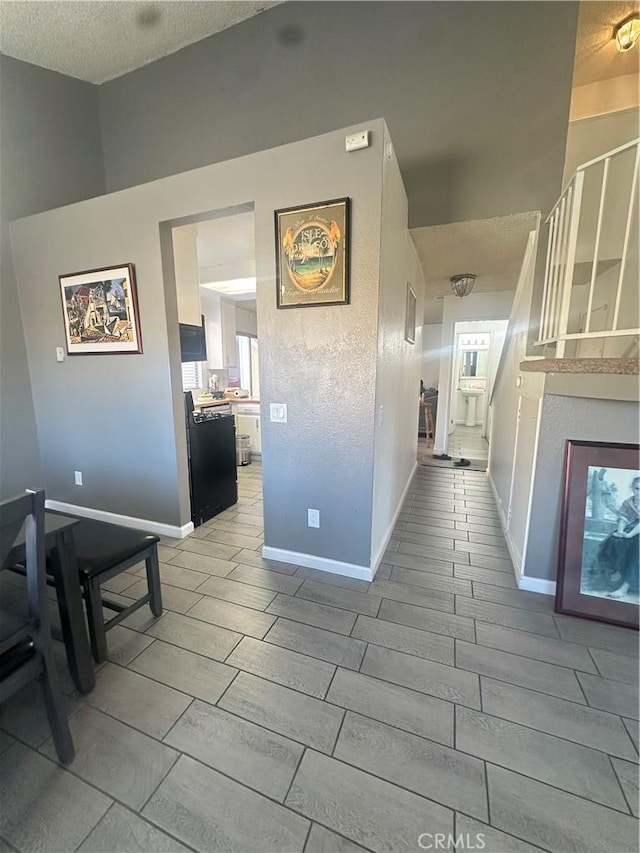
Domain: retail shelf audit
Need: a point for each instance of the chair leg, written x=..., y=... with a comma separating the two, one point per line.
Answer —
x=95, y=618
x=58, y=720
x=153, y=582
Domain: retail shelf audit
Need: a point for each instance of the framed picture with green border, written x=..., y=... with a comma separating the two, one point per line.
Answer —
x=312, y=254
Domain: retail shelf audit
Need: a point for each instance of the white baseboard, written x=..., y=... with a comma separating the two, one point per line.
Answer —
x=336, y=567
x=377, y=559
x=171, y=530
x=537, y=585
x=311, y=561
x=516, y=559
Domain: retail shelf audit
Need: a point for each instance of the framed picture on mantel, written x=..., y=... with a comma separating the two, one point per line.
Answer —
x=599, y=558
x=312, y=254
x=100, y=311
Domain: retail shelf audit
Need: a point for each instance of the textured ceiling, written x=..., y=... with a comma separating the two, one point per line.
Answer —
x=597, y=57
x=492, y=249
x=96, y=41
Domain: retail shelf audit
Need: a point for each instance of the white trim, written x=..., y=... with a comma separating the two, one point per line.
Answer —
x=311, y=561
x=171, y=530
x=337, y=567
x=608, y=154
x=375, y=562
x=534, y=462
x=540, y=585
x=516, y=559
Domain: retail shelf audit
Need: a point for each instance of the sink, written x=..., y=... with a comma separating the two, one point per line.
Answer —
x=471, y=395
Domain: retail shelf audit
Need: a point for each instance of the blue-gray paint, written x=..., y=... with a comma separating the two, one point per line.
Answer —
x=50, y=155
x=475, y=95
x=120, y=418
x=562, y=418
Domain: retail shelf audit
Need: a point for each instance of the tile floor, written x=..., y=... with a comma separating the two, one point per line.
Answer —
x=276, y=708
x=467, y=442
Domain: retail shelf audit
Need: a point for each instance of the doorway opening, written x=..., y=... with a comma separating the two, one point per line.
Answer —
x=475, y=358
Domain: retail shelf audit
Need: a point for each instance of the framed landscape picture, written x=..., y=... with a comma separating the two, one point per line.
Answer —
x=100, y=311
x=598, y=558
x=312, y=254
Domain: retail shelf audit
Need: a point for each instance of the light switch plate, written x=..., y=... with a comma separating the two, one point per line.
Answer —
x=278, y=413
x=59, y=353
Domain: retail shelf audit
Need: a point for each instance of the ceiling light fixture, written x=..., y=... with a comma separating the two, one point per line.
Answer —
x=462, y=285
x=627, y=32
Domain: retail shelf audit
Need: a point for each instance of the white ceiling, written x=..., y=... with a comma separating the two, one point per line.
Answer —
x=97, y=41
x=492, y=249
x=226, y=248
x=597, y=57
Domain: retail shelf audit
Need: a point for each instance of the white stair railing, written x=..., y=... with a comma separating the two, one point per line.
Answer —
x=591, y=272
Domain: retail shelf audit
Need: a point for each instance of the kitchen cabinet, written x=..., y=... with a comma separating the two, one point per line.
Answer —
x=228, y=326
x=185, y=258
x=248, y=423
x=220, y=325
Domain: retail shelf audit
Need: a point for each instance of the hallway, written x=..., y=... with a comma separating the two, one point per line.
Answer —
x=467, y=443
x=278, y=708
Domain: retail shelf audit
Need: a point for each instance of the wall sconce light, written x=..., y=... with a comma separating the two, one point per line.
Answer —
x=627, y=32
x=462, y=285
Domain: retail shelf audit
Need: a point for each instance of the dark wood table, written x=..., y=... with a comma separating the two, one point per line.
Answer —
x=58, y=530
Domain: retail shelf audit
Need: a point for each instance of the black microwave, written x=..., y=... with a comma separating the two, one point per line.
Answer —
x=193, y=342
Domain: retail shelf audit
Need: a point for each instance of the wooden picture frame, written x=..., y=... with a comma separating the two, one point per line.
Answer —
x=100, y=311
x=410, y=315
x=312, y=254
x=598, y=550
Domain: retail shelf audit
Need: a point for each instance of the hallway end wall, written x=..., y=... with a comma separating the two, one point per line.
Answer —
x=495, y=305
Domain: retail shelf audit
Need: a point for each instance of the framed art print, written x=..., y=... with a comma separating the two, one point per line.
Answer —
x=100, y=311
x=312, y=254
x=598, y=557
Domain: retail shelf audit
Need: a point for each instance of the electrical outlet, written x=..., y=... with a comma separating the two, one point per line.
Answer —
x=78, y=478
x=313, y=518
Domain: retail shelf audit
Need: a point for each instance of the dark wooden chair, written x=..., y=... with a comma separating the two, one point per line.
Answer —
x=25, y=646
x=103, y=551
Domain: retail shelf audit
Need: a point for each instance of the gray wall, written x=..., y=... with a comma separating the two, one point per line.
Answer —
x=591, y=137
x=397, y=384
x=50, y=155
x=476, y=97
x=581, y=419
x=120, y=419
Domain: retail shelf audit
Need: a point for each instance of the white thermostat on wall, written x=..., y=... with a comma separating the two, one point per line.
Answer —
x=358, y=140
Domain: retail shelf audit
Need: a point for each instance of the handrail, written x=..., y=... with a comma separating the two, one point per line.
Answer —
x=564, y=223
x=608, y=154
x=590, y=163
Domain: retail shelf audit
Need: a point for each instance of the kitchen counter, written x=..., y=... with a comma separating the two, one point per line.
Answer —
x=234, y=401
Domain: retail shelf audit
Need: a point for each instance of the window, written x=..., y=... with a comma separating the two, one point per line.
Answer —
x=191, y=375
x=248, y=364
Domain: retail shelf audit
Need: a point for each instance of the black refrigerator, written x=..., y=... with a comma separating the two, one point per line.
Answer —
x=211, y=449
